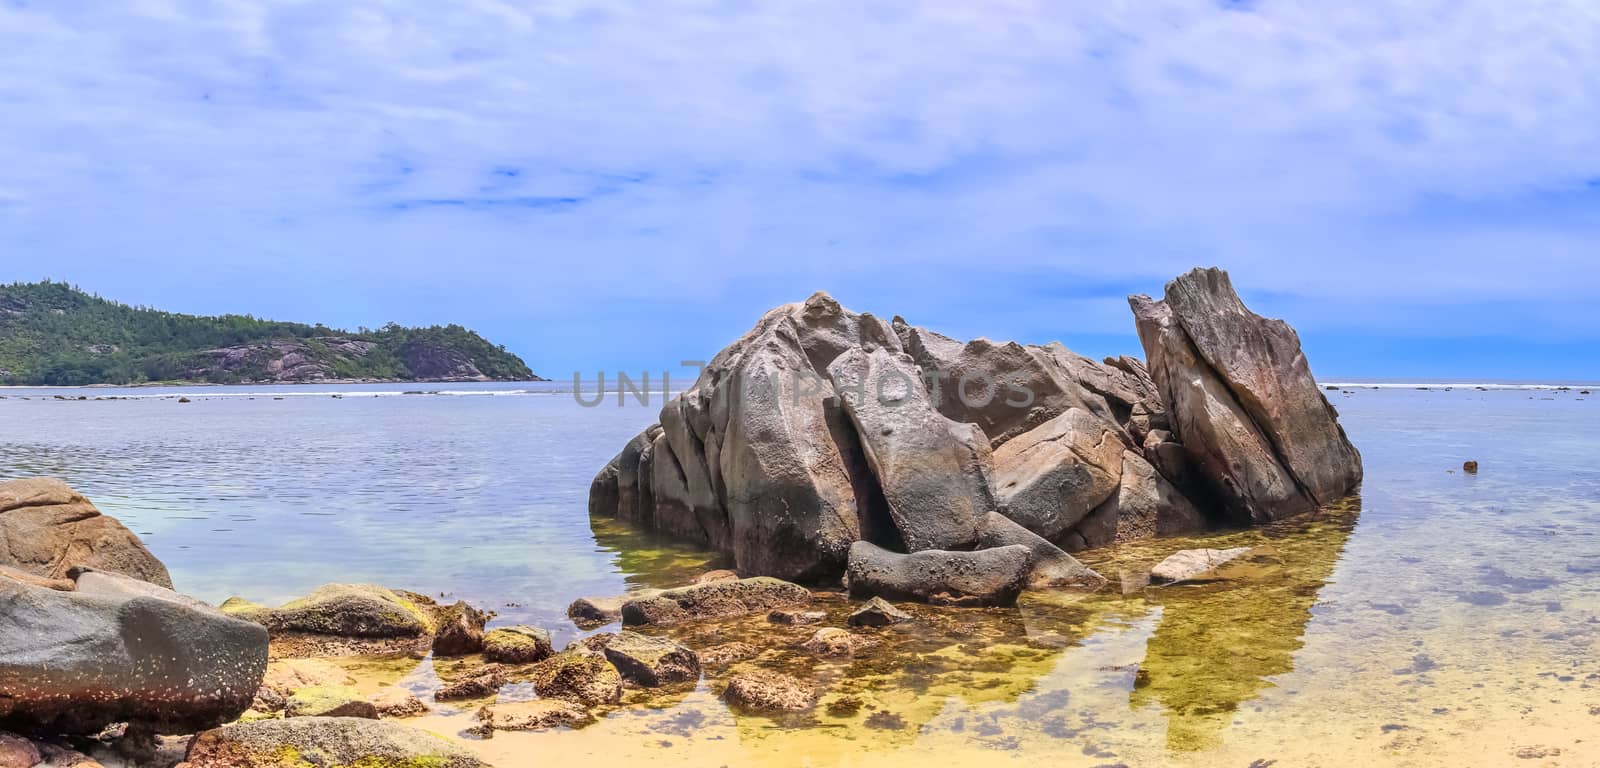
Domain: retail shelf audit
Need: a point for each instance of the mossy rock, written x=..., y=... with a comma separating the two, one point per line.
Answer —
x=578, y=675
x=343, y=610
x=517, y=645
x=329, y=701
x=326, y=742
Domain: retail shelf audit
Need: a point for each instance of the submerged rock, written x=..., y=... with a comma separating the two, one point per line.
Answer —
x=534, y=715
x=517, y=645
x=794, y=618
x=716, y=600
x=326, y=742
x=727, y=653
x=766, y=691
x=832, y=642
x=877, y=612
x=985, y=577
x=47, y=529
x=652, y=661
x=1192, y=564
x=122, y=650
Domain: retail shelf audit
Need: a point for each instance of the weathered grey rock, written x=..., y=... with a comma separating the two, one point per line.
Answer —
x=458, y=629
x=1193, y=564
x=766, y=691
x=534, y=715
x=1242, y=400
x=329, y=701
x=877, y=612
x=1261, y=361
x=327, y=742
x=73, y=662
x=985, y=577
x=1054, y=475
x=1145, y=506
x=345, y=610
x=1051, y=568
x=578, y=675
x=652, y=661
x=46, y=529
x=591, y=612
x=480, y=683
x=517, y=645
x=934, y=472
x=717, y=600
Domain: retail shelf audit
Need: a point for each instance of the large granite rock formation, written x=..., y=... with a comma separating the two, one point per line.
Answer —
x=1244, y=403
x=821, y=428
x=46, y=529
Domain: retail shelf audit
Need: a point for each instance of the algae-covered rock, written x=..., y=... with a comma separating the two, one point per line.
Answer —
x=832, y=642
x=325, y=742
x=329, y=701
x=578, y=675
x=351, y=610
x=652, y=661
x=716, y=600
x=517, y=645
x=766, y=691
x=458, y=629
x=534, y=715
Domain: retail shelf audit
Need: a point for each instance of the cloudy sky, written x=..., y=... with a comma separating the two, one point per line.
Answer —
x=1414, y=185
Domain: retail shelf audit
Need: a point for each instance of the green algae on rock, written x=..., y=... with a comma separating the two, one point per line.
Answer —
x=326, y=742
x=520, y=644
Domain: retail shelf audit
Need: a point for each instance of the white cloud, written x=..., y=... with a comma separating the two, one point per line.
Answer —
x=1321, y=150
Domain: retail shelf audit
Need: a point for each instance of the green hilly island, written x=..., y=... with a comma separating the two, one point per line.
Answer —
x=53, y=334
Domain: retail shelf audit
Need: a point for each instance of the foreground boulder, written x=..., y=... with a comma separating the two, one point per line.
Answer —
x=985, y=577
x=122, y=650
x=720, y=599
x=326, y=742
x=1193, y=564
x=47, y=529
x=1243, y=402
x=822, y=427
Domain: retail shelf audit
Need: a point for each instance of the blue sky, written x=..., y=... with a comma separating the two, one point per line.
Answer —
x=1414, y=185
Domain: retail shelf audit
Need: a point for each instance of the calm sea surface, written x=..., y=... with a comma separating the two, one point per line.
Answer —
x=1443, y=619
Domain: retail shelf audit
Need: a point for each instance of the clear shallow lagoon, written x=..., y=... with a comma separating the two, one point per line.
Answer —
x=1445, y=619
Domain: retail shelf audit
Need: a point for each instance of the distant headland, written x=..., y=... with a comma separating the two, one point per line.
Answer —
x=53, y=334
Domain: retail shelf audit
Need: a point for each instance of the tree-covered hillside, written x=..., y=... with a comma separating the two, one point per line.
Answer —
x=54, y=334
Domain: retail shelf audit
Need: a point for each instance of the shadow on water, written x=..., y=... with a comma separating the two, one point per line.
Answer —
x=1218, y=645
